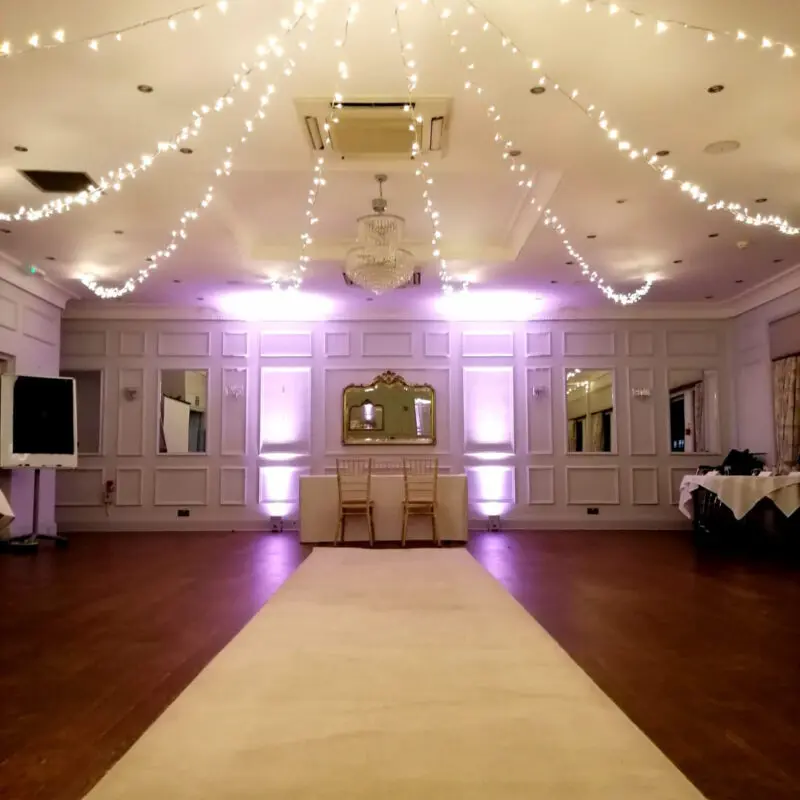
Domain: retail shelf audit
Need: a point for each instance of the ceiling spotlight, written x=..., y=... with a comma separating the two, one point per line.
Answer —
x=740, y=281
x=538, y=90
x=715, y=89
x=713, y=235
x=175, y=280
x=569, y=263
x=20, y=148
x=149, y=258
x=774, y=260
x=553, y=281
x=592, y=236
x=761, y=199
x=621, y=201
x=118, y=233
x=678, y=261
x=662, y=153
x=50, y=258
x=5, y=230
x=709, y=297
x=187, y=151
x=145, y=88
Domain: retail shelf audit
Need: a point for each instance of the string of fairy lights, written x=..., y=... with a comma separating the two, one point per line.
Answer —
x=59, y=38
x=180, y=234
x=659, y=26
x=295, y=278
x=614, y=135
x=448, y=281
x=511, y=154
x=274, y=50
x=116, y=178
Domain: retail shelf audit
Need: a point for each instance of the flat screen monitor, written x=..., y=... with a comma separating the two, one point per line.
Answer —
x=38, y=422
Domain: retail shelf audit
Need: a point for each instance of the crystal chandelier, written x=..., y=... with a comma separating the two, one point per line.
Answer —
x=378, y=263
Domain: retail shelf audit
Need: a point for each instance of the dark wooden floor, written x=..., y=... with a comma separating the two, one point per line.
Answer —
x=703, y=654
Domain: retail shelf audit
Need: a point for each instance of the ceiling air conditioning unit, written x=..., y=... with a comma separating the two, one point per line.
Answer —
x=377, y=129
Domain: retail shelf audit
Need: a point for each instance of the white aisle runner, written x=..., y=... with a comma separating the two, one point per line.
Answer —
x=387, y=674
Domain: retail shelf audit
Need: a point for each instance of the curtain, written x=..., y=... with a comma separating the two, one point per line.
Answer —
x=597, y=433
x=699, y=401
x=573, y=436
x=786, y=394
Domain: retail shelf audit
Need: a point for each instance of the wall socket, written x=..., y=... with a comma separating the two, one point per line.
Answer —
x=593, y=512
x=183, y=512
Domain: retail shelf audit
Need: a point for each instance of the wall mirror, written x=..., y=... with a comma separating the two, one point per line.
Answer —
x=89, y=398
x=389, y=411
x=182, y=411
x=694, y=411
x=591, y=421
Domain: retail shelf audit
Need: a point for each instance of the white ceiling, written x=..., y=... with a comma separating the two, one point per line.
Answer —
x=75, y=109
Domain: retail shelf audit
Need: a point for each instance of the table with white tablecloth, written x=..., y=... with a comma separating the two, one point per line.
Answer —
x=741, y=493
x=319, y=507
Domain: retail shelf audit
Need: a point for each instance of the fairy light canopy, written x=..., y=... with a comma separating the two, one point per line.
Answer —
x=555, y=168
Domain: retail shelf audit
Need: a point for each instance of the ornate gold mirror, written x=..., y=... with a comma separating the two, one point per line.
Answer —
x=389, y=411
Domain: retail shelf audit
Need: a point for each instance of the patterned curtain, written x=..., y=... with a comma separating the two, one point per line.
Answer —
x=786, y=393
x=597, y=433
x=699, y=399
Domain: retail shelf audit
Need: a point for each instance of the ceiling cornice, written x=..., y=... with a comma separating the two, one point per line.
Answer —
x=41, y=287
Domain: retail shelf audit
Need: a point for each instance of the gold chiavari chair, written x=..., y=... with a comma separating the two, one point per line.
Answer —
x=421, y=486
x=354, y=480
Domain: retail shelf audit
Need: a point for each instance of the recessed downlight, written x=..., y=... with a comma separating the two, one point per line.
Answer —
x=662, y=153
x=553, y=281
x=118, y=233
x=716, y=88
x=187, y=151
x=678, y=261
x=739, y=281
x=5, y=230
x=713, y=235
x=145, y=88
x=538, y=90
x=774, y=260
x=761, y=199
x=722, y=147
x=175, y=280
x=20, y=148
x=622, y=200
x=709, y=297
x=592, y=236
x=49, y=258
x=569, y=263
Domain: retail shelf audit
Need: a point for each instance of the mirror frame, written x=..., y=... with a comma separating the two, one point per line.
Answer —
x=188, y=368
x=387, y=378
x=615, y=426
x=70, y=373
x=668, y=430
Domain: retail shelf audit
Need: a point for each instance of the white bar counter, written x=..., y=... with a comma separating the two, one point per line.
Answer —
x=319, y=507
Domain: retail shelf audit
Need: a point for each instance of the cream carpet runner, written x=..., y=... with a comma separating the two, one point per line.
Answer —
x=376, y=675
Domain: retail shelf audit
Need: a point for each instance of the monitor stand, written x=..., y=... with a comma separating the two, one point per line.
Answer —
x=29, y=542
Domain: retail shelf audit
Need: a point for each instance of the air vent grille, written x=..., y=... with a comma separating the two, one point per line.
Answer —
x=57, y=182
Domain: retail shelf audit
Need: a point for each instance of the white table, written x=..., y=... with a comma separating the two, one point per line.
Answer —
x=319, y=506
x=741, y=493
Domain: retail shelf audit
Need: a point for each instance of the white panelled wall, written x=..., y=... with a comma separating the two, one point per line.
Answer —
x=274, y=414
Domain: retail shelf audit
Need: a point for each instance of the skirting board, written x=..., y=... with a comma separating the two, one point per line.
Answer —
x=249, y=526
x=592, y=524
x=161, y=526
